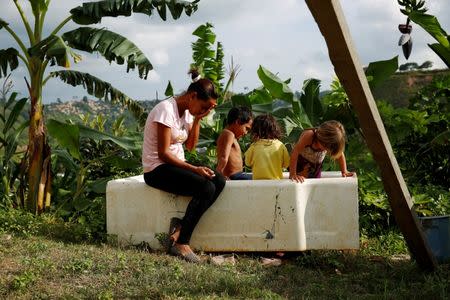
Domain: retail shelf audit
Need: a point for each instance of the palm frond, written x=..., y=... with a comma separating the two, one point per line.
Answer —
x=111, y=45
x=101, y=89
x=93, y=12
x=8, y=57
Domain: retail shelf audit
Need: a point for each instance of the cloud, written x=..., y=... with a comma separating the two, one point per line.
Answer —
x=280, y=35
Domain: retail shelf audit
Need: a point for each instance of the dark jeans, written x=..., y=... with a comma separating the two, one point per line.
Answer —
x=241, y=176
x=183, y=182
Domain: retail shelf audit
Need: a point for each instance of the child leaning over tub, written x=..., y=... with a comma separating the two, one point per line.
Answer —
x=267, y=156
x=229, y=156
x=314, y=143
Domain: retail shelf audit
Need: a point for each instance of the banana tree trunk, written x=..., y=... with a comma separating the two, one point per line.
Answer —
x=39, y=175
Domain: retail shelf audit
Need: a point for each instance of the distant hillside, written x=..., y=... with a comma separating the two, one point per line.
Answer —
x=403, y=85
x=74, y=109
x=396, y=90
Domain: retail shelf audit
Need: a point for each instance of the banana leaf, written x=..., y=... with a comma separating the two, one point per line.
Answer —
x=8, y=58
x=93, y=12
x=67, y=135
x=310, y=100
x=442, y=52
x=379, y=71
x=110, y=45
x=432, y=26
x=54, y=49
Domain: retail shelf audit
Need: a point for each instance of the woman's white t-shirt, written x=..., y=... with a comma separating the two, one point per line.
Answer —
x=166, y=113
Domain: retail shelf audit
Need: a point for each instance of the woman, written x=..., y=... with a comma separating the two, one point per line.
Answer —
x=171, y=123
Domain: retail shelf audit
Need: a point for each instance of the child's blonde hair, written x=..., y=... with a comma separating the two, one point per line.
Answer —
x=331, y=135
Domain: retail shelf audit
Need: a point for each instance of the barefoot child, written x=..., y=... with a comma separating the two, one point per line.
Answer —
x=229, y=157
x=267, y=156
x=314, y=143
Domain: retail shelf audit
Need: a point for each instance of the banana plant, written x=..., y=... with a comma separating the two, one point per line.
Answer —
x=88, y=157
x=209, y=61
x=416, y=12
x=13, y=124
x=39, y=52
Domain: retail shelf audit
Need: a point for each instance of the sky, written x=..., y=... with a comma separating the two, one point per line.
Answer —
x=282, y=36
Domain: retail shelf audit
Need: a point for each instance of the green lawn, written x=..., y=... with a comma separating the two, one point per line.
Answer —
x=46, y=267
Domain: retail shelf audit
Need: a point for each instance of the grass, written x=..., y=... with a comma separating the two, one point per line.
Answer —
x=46, y=265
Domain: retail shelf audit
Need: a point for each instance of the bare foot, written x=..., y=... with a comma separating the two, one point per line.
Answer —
x=175, y=235
x=184, y=249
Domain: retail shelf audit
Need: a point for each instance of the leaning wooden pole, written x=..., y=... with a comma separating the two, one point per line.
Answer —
x=330, y=19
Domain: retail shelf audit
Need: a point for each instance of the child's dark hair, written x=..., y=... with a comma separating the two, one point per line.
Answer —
x=202, y=86
x=241, y=114
x=265, y=127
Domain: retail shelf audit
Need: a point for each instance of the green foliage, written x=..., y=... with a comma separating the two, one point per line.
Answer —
x=13, y=124
x=55, y=49
x=432, y=26
x=8, y=58
x=18, y=222
x=419, y=134
x=379, y=71
x=169, y=90
x=86, y=226
x=431, y=200
x=207, y=60
x=110, y=45
x=23, y=281
x=410, y=6
x=416, y=12
x=89, y=158
x=93, y=12
x=382, y=269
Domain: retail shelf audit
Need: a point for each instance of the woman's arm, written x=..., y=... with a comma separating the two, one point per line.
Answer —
x=194, y=130
x=194, y=133
x=305, y=139
x=166, y=155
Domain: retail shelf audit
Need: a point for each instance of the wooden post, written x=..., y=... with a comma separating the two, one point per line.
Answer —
x=330, y=19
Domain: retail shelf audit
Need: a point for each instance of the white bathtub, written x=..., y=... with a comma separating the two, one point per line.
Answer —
x=253, y=215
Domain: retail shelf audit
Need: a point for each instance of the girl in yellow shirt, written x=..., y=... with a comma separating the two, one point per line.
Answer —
x=267, y=156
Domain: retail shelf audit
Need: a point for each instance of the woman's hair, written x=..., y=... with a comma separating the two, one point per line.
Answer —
x=203, y=87
x=265, y=127
x=331, y=135
x=242, y=114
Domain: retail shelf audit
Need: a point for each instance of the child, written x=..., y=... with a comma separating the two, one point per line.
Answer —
x=267, y=156
x=314, y=143
x=229, y=162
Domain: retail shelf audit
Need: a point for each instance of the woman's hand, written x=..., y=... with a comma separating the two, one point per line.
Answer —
x=202, y=115
x=297, y=178
x=205, y=172
x=347, y=174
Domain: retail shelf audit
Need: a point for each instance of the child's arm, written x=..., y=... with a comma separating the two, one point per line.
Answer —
x=305, y=139
x=286, y=159
x=224, y=144
x=249, y=156
x=343, y=166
